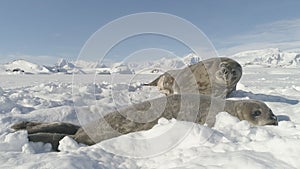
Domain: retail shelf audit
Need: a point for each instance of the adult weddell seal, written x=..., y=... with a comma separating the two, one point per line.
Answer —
x=144, y=115
x=215, y=77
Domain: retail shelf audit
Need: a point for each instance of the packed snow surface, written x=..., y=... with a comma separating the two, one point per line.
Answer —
x=230, y=144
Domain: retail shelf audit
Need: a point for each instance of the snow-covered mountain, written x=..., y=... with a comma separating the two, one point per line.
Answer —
x=92, y=67
x=62, y=63
x=160, y=65
x=269, y=57
x=88, y=64
x=121, y=68
x=164, y=64
x=62, y=66
x=266, y=57
x=23, y=66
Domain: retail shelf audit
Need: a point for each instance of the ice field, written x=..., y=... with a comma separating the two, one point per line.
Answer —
x=229, y=144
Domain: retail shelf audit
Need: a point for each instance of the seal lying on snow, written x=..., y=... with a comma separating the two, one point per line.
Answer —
x=144, y=115
x=215, y=76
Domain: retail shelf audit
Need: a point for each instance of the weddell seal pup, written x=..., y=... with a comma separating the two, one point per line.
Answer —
x=215, y=76
x=145, y=115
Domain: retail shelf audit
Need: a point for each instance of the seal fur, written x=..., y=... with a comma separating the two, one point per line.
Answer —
x=215, y=76
x=176, y=106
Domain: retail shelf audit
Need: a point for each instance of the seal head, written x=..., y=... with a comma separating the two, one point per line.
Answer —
x=256, y=112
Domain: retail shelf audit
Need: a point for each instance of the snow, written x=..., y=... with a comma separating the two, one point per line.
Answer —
x=163, y=64
x=121, y=68
x=67, y=144
x=62, y=63
x=170, y=143
x=269, y=57
x=18, y=66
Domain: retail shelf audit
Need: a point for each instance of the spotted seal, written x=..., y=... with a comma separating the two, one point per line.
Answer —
x=215, y=76
x=127, y=120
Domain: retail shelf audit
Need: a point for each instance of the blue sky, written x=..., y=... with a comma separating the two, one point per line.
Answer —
x=46, y=30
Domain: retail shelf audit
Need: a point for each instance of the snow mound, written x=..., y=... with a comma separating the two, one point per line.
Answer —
x=6, y=105
x=14, y=141
x=163, y=137
x=23, y=66
x=67, y=144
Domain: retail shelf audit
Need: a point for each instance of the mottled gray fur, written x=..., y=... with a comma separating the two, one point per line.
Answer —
x=143, y=116
x=215, y=77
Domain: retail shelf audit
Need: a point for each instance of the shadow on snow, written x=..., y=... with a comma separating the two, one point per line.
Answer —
x=263, y=97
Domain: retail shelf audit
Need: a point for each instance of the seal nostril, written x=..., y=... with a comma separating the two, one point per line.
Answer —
x=225, y=71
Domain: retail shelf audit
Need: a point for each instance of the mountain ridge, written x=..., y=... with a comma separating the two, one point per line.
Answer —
x=266, y=57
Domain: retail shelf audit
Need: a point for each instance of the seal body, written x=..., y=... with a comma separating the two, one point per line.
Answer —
x=144, y=115
x=215, y=77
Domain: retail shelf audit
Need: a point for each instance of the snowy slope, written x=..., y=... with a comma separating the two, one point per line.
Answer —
x=63, y=66
x=264, y=57
x=164, y=64
x=270, y=57
x=24, y=66
x=88, y=64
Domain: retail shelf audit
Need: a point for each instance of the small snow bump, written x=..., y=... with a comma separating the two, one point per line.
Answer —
x=163, y=121
x=67, y=144
x=223, y=119
x=286, y=124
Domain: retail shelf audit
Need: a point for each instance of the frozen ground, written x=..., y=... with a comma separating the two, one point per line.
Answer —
x=230, y=144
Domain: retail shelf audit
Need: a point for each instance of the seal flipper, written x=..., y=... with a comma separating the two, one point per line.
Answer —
x=60, y=128
x=52, y=138
x=24, y=124
x=37, y=127
x=47, y=132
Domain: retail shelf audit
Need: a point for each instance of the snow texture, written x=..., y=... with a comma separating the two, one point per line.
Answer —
x=229, y=144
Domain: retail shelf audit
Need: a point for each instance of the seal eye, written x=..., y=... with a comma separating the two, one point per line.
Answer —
x=222, y=65
x=256, y=113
